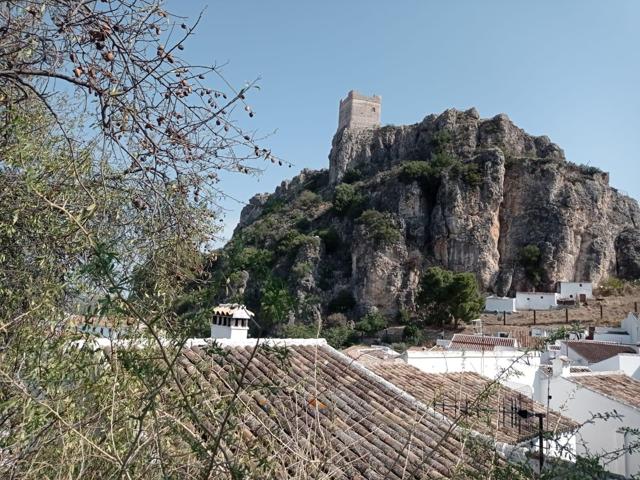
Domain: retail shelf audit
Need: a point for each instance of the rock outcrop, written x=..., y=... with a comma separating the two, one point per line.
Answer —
x=462, y=192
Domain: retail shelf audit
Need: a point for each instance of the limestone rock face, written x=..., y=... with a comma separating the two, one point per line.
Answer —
x=628, y=254
x=502, y=190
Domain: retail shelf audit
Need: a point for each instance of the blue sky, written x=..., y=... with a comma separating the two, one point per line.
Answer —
x=567, y=69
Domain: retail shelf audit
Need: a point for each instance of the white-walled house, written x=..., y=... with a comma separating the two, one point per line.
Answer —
x=513, y=368
x=627, y=333
x=629, y=363
x=590, y=399
x=588, y=352
x=536, y=300
x=579, y=291
x=494, y=304
x=231, y=321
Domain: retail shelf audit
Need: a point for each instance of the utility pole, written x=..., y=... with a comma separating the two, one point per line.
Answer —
x=527, y=414
x=540, y=440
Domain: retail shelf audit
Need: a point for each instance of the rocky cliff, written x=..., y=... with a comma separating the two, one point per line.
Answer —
x=454, y=190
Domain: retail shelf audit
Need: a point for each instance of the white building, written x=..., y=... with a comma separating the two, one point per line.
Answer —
x=513, y=368
x=591, y=399
x=496, y=304
x=579, y=291
x=628, y=363
x=588, y=352
x=631, y=325
x=230, y=320
x=628, y=333
x=536, y=300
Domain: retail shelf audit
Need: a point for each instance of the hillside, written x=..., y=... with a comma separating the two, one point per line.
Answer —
x=454, y=190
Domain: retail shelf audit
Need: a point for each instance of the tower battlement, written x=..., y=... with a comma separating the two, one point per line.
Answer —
x=359, y=111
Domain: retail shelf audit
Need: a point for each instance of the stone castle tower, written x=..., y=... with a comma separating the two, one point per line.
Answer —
x=359, y=111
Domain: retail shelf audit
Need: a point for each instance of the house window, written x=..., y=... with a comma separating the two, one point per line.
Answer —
x=373, y=109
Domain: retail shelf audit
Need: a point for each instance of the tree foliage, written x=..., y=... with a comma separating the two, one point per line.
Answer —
x=379, y=227
x=108, y=196
x=530, y=259
x=446, y=296
x=371, y=323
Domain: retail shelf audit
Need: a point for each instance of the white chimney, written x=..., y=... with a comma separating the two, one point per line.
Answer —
x=230, y=320
x=561, y=366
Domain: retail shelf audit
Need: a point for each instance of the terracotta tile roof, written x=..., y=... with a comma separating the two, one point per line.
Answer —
x=494, y=414
x=318, y=404
x=477, y=342
x=521, y=334
x=617, y=386
x=595, y=352
x=367, y=355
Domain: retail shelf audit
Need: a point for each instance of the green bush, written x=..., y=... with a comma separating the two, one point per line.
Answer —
x=417, y=171
x=331, y=239
x=352, y=175
x=371, y=323
x=342, y=302
x=292, y=241
x=379, y=227
x=441, y=140
x=272, y=205
x=469, y=172
x=530, y=258
x=303, y=224
x=590, y=169
x=612, y=286
x=301, y=270
x=412, y=334
x=308, y=199
x=347, y=200
x=255, y=260
x=337, y=337
x=446, y=296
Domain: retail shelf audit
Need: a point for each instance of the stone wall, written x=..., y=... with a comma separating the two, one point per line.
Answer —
x=359, y=111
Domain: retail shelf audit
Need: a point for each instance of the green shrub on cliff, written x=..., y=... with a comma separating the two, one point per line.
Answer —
x=530, y=258
x=347, y=200
x=379, y=226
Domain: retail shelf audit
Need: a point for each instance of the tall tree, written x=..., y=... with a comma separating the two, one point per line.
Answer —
x=446, y=296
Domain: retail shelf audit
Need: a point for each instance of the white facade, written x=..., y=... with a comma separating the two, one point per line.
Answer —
x=631, y=325
x=513, y=368
x=628, y=333
x=500, y=304
x=573, y=290
x=612, y=334
x=536, y=300
x=628, y=363
x=597, y=436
